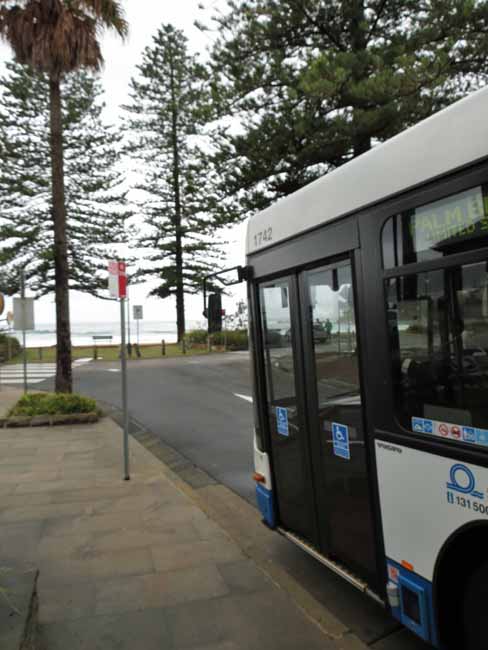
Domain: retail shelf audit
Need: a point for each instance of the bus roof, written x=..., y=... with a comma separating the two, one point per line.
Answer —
x=451, y=139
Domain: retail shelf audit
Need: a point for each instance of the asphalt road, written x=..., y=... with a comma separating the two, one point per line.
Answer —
x=200, y=406
x=192, y=405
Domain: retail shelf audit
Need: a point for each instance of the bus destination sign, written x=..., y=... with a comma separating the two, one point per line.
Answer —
x=440, y=224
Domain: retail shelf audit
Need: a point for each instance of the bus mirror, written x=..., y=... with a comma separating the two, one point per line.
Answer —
x=214, y=313
x=243, y=273
x=217, y=282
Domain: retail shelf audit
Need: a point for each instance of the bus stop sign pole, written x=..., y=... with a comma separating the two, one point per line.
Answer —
x=118, y=289
x=24, y=345
x=23, y=317
x=125, y=408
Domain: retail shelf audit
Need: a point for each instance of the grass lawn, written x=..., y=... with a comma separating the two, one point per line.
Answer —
x=107, y=353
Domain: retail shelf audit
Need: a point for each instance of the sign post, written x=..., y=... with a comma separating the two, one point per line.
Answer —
x=117, y=284
x=138, y=314
x=129, y=345
x=10, y=320
x=24, y=347
x=23, y=321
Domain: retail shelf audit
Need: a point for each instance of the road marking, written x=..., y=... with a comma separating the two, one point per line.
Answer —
x=36, y=372
x=248, y=398
x=112, y=369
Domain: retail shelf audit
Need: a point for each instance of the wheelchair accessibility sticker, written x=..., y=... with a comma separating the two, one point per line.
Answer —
x=340, y=441
x=461, y=486
x=282, y=421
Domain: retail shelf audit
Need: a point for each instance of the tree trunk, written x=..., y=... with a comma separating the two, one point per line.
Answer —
x=180, y=292
x=64, y=380
x=180, y=289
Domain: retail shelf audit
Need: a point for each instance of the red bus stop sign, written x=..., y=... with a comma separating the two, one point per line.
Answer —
x=117, y=279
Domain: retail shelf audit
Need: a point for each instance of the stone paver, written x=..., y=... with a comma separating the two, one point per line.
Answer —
x=130, y=564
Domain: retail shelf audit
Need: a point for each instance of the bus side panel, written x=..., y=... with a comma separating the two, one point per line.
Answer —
x=424, y=499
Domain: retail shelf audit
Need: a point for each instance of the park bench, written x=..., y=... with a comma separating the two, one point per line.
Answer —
x=97, y=340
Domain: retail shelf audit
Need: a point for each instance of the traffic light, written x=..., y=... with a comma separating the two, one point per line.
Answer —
x=214, y=313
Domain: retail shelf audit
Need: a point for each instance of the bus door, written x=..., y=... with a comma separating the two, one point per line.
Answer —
x=285, y=407
x=335, y=412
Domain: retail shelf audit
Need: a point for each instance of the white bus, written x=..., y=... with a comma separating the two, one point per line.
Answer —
x=368, y=292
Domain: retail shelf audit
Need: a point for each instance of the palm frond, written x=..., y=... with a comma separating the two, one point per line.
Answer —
x=56, y=36
x=109, y=14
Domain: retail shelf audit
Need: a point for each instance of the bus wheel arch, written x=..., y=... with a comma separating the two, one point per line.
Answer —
x=462, y=555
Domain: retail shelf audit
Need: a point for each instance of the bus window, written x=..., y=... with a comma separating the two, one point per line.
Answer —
x=452, y=225
x=334, y=334
x=280, y=371
x=438, y=322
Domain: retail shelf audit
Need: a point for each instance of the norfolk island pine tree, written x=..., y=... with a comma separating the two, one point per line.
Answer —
x=314, y=83
x=169, y=109
x=58, y=37
x=95, y=196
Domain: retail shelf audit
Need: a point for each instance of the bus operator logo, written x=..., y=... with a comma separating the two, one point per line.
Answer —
x=463, y=481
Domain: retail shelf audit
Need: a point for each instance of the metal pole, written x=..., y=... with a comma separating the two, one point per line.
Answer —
x=123, y=360
x=24, y=354
x=129, y=347
x=137, y=332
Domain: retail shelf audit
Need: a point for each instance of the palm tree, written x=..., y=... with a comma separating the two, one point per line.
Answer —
x=57, y=37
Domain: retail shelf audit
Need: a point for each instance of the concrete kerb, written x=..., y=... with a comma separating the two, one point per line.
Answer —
x=22, y=421
x=238, y=519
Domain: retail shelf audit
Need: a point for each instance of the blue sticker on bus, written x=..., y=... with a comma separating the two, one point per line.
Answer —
x=282, y=421
x=450, y=431
x=469, y=434
x=421, y=425
x=340, y=440
x=482, y=437
x=418, y=425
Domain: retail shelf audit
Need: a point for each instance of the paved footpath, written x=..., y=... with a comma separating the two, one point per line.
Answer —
x=134, y=564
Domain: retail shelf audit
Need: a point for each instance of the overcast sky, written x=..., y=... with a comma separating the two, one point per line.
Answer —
x=121, y=60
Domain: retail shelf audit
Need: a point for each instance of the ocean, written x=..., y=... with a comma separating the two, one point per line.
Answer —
x=82, y=333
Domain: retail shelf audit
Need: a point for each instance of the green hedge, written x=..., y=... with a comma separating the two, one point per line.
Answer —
x=15, y=346
x=198, y=337
x=53, y=404
x=236, y=339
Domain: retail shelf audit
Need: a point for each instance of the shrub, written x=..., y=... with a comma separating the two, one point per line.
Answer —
x=197, y=336
x=15, y=346
x=53, y=404
x=236, y=339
